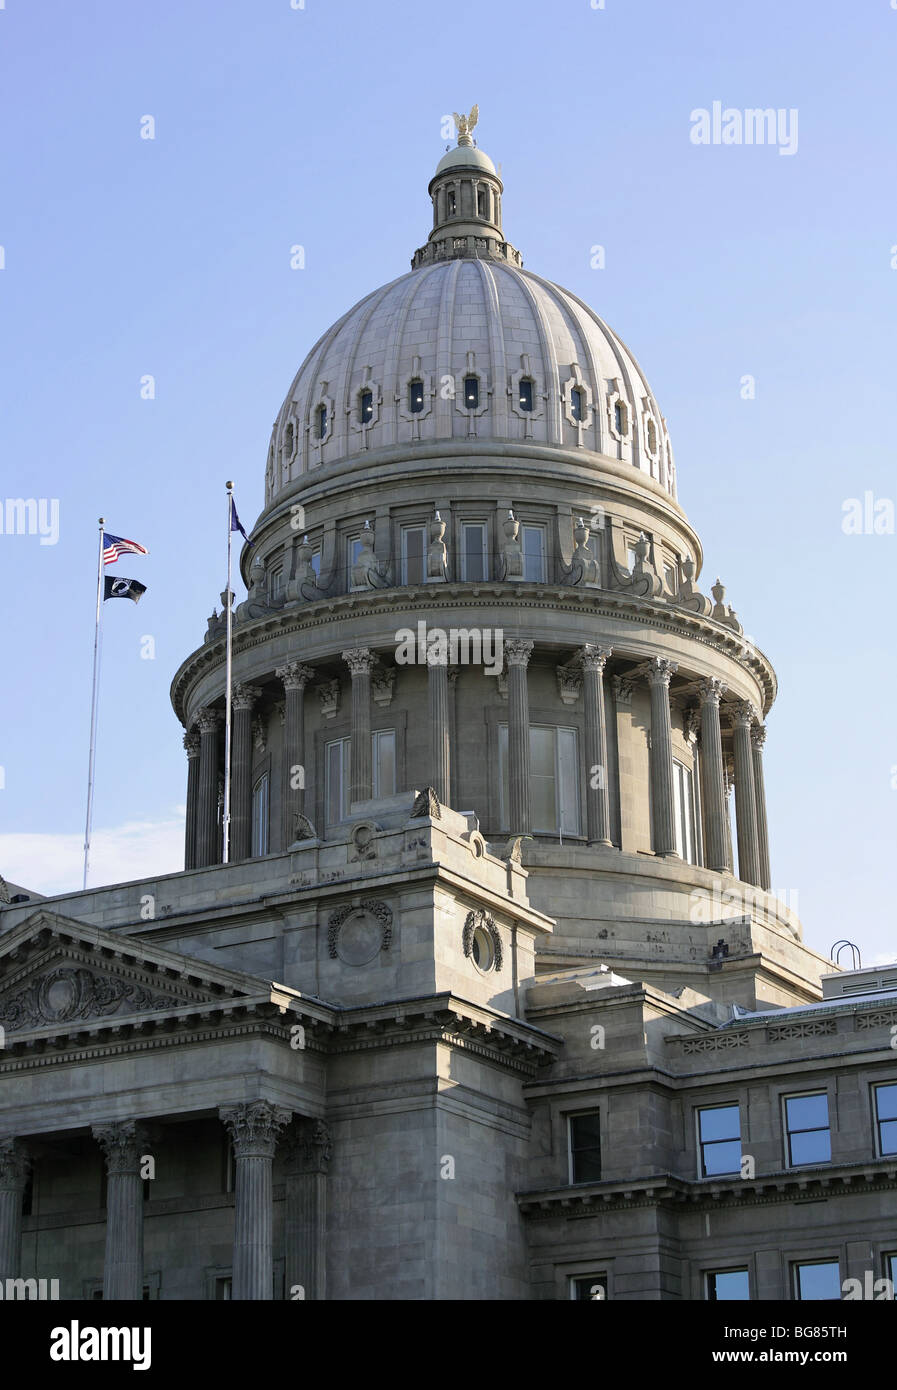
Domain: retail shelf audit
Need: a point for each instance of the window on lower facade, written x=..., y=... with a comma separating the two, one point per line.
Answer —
x=224, y=1288
x=534, y=554
x=554, y=780
x=807, y=1128
x=590, y=1288
x=724, y=1284
x=260, y=808
x=684, y=812
x=414, y=548
x=473, y=551
x=886, y=1118
x=817, y=1279
x=585, y=1146
x=338, y=772
x=719, y=1136
x=891, y=1273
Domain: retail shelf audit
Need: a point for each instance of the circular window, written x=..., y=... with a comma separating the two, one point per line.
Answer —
x=482, y=949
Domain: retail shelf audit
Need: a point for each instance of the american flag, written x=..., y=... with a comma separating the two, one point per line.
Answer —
x=117, y=545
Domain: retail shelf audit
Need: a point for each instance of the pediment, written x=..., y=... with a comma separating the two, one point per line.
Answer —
x=56, y=972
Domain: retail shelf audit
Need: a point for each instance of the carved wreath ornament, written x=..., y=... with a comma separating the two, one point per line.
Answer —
x=482, y=921
x=65, y=994
x=375, y=909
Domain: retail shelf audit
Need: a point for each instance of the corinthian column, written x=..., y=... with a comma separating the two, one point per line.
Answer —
x=659, y=673
x=517, y=655
x=207, y=846
x=713, y=794
x=308, y=1149
x=243, y=698
x=124, y=1144
x=594, y=660
x=191, y=743
x=295, y=677
x=15, y=1164
x=440, y=752
x=253, y=1128
x=758, y=739
x=743, y=716
x=361, y=662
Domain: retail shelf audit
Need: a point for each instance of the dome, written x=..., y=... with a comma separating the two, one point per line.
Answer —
x=465, y=157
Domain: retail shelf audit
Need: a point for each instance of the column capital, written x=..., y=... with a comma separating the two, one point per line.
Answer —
x=15, y=1164
x=743, y=713
x=711, y=690
x=518, y=651
x=208, y=719
x=124, y=1142
x=295, y=675
x=623, y=687
x=191, y=743
x=254, y=1127
x=360, y=660
x=594, y=658
x=244, y=696
x=659, y=670
x=758, y=736
x=308, y=1147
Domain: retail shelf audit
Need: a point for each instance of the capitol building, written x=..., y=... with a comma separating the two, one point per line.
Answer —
x=493, y=999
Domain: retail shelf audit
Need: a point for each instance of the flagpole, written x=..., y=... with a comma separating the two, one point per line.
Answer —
x=93, y=704
x=228, y=699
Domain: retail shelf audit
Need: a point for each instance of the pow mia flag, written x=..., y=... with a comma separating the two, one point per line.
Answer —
x=119, y=587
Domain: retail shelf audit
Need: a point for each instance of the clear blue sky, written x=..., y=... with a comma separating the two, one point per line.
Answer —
x=321, y=126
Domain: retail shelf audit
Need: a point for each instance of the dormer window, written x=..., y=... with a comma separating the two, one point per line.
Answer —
x=526, y=394
x=621, y=418
x=366, y=407
x=576, y=403
x=322, y=421
x=471, y=392
x=415, y=397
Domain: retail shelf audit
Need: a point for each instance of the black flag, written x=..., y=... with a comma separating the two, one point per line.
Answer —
x=118, y=587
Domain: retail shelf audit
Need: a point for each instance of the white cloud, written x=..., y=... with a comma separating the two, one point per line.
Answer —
x=52, y=864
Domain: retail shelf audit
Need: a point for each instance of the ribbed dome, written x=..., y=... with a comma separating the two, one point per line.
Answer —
x=447, y=322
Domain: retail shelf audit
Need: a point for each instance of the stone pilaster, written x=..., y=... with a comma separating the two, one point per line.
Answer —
x=713, y=793
x=593, y=660
x=308, y=1149
x=361, y=662
x=254, y=1127
x=295, y=678
x=659, y=674
x=191, y=744
x=453, y=674
x=743, y=716
x=243, y=699
x=124, y=1143
x=758, y=739
x=15, y=1165
x=208, y=848
x=440, y=750
x=517, y=655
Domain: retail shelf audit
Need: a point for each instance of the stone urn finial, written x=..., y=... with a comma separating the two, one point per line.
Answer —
x=718, y=591
x=580, y=531
x=510, y=526
x=437, y=529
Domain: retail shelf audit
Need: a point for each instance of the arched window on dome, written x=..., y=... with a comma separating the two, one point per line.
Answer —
x=416, y=396
x=471, y=392
x=576, y=403
x=621, y=418
x=651, y=433
x=526, y=393
x=322, y=421
x=366, y=407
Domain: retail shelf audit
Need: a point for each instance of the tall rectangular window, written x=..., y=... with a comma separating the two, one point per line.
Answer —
x=414, y=549
x=316, y=563
x=719, y=1136
x=383, y=762
x=807, y=1127
x=260, y=816
x=725, y=1284
x=684, y=812
x=338, y=772
x=817, y=1279
x=473, y=551
x=353, y=550
x=886, y=1118
x=591, y=1288
x=585, y=1147
x=534, y=554
x=554, y=780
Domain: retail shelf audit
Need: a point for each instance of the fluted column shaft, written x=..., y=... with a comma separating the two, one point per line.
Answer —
x=254, y=1128
x=309, y=1148
x=660, y=672
x=208, y=850
x=244, y=698
x=745, y=795
x=191, y=744
x=758, y=739
x=440, y=749
x=361, y=662
x=517, y=655
x=124, y=1144
x=295, y=677
x=594, y=660
x=713, y=794
x=15, y=1163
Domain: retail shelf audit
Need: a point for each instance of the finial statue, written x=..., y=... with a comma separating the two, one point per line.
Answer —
x=465, y=124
